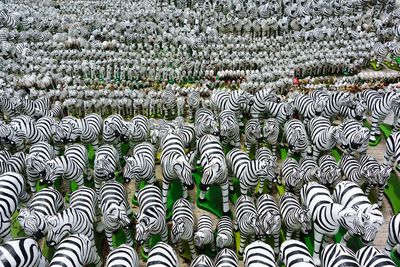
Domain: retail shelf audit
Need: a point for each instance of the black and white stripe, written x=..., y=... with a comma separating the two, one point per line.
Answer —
x=351, y=169
x=252, y=134
x=392, y=151
x=21, y=131
x=115, y=210
x=202, y=261
x=309, y=169
x=263, y=154
x=16, y=163
x=136, y=131
x=205, y=232
x=295, y=253
x=151, y=217
x=205, y=123
x=335, y=102
x=295, y=218
x=330, y=173
x=76, y=251
x=229, y=128
x=46, y=202
x=307, y=107
x=112, y=131
x=188, y=135
x=106, y=163
x=296, y=137
x=162, y=254
x=370, y=256
x=224, y=238
x=23, y=252
x=270, y=133
x=336, y=255
x=356, y=136
x=258, y=254
x=292, y=175
x=123, y=256
x=282, y=112
x=226, y=258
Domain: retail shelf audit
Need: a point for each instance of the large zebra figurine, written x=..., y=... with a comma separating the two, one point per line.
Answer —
x=76, y=251
x=324, y=137
x=268, y=219
x=226, y=258
x=202, y=261
x=258, y=254
x=46, y=202
x=392, y=151
x=375, y=175
x=263, y=154
x=327, y=216
x=140, y=166
x=151, y=217
x=270, y=133
x=22, y=252
x=309, y=169
x=252, y=134
x=246, y=220
x=261, y=99
x=295, y=253
x=212, y=159
x=248, y=171
x=205, y=232
x=175, y=164
x=229, y=128
x=123, y=256
x=136, y=131
x=106, y=163
x=13, y=192
x=115, y=210
x=369, y=217
x=182, y=225
x=296, y=137
x=307, y=107
x=393, y=239
x=77, y=219
x=337, y=255
x=330, y=173
x=295, y=218
x=112, y=131
x=224, y=238
x=162, y=254
x=292, y=175
x=205, y=123
x=370, y=256
x=356, y=135
x=87, y=129
x=71, y=166
x=379, y=106
x=335, y=101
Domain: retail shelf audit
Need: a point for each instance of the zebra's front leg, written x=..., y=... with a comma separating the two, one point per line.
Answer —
x=129, y=240
x=185, y=194
x=368, y=190
x=225, y=197
x=95, y=144
x=276, y=244
x=316, y=153
x=318, y=237
x=165, y=187
x=374, y=129
x=390, y=244
x=346, y=238
x=243, y=240
x=261, y=186
x=380, y=197
x=109, y=236
x=192, y=248
x=32, y=184
x=5, y=231
x=243, y=189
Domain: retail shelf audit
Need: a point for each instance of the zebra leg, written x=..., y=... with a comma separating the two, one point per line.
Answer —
x=242, y=245
x=165, y=187
x=276, y=244
x=390, y=243
x=261, y=186
x=318, y=237
x=109, y=239
x=79, y=180
x=5, y=233
x=32, y=184
x=24, y=197
x=243, y=189
x=368, y=190
x=185, y=194
x=225, y=197
x=315, y=153
x=181, y=249
x=146, y=248
x=346, y=238
x=380, y=196
x=95, y=258
x=57, y=150
x=289, y=234
x=164, y=234
x=192, y=248
x=129, y=240
x=118, y=146
x=374, y=126
x=95, y=144
x=297, y=236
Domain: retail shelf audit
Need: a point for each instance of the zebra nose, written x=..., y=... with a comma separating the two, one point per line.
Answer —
x=50, y=243
x=42, y=182
x=127, y=180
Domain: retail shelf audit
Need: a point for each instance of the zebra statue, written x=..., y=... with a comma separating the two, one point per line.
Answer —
x=252, y=134
x=261, y=100
x=307, y=107
x=270, y=133
x=375, y=175
x=309, y=169
x=330, y=173
x=13, y=192
x=205, y=123
x=87, y=129
x=369, y=217
x=393, y=239
x=212, y=159
x=379, y=106
x=337, y=255
x=268, y=219
x=248, y=171
x=136, y=131
x=124, y=256
x=296, y=137
x=392, y=150
x=106, y=163
x=356, y=136
x=141, y=166
x=205, y=232
x=175, y=164
x=202, y=261
x=77, y=219
x=324, y=137
x=162, y=254
x=292, y=175
x=71, y=166
x=264, y=154
x=246, y=220
x=194, y=103
x=151, y=217
x=112, y=131
x=224, y=238
x=326, y=215
x=370, y=256
x=229, y=128
x=115, y=210
x=76, y=250
x=259, y=253
x=295, y=253
x=294, y=217
x=46, y=202
x=226, y=258
x=22, y=252
x=182, y=225
x=169, y=102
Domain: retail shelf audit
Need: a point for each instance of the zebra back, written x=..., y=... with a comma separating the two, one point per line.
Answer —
x=351, y=169
x=268, y=215
x=23, y=252
x=164, y=253
x=336, y=255
x=295, y=253
x=85, y=200
x=257, y=254
x=225, y=236
x=202, y=261
x=182, y=220
x=124, y=256
x=370, y=256
x=226, y=258
x=314, y=194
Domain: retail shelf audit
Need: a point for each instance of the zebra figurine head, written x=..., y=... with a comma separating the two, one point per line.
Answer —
x=117, y=214
x=106, y=165
x=383, y=176
x=145, y=224
x=111, y=127
x=35, y=164
x=183, y=171
x=319, y=105
x=214, y=171
x=57, y=230
x=131, y=170
x=304, y=218
x=367, y=223
x=33, y=224
x=59, y=135
x=52, y=172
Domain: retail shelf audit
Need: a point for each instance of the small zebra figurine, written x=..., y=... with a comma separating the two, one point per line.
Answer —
x=270, y=133
x=162, y=254
x=336, y=255
x=292, y=175
x=202, y=261
x=297, y=137
x=124, y=255
x=226, y=258
x=225, y=238
x=106, y=163
x=330, y=173
x=229, y=128
x=295, y=253
x=22, y=252
x=370, y=256
x=252, y=134
x=76, y=250
x=257, y=254
x=182, y=225
x=205, y=232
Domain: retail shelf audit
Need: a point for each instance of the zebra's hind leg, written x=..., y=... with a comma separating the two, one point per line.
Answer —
x=380, y=196
x=225, y=197
x=276, y=244
x=346, y=238
x=315, y=153
x=164, y=234
x=129, y=240
x=390, y=243
x=5, y=229
x=243, y=240
x=368, y=190
x=289, y=234
x=192, y=248
x=165, y=187
x=374, y=128
x=109, y=239
x=318, y=237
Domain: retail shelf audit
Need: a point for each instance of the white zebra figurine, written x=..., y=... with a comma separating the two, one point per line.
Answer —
x=259, y=253
x=124, y=255
x=22, y=252
x=295, y=253
x=205, y=232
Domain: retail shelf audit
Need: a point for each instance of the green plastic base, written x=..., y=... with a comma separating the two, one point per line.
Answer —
x=373, y=65
x=386, y=129
x=392, y=65
x=395, y=259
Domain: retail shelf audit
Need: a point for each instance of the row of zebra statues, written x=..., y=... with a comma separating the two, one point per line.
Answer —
x=321, y=194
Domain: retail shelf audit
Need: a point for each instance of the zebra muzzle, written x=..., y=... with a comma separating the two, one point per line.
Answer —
x=50, y=243
x=127, y=180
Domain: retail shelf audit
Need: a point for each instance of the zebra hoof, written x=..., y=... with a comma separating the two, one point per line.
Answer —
x=372, y=138
x=202, y=200
x=240, y=255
